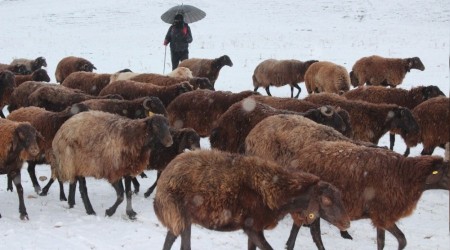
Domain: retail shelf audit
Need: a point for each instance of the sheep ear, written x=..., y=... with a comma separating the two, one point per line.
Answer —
x=183, y=143
x=435, y=176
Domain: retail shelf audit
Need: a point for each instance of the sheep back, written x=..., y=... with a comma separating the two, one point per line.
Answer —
x=272, y=72
x=208, y=68
x=89, y=82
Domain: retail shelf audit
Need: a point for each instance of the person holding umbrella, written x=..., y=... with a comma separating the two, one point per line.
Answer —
x=179, y=36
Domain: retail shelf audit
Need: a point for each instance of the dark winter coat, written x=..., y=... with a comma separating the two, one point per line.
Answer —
x=179, y=38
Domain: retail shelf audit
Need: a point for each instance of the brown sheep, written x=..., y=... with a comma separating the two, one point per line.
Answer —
x=377, y=70
x=298, y=105
x=7, y=79
x=133, y=109
x=106, y=146
x=185, y=138
x=208, y=68
x=226, y=192
x=401, y=97
x=131, y=90
x=433, y=117
x=20, y=95
x=89, y=82
x=56, y=98
x=272, y=72
x=71, y=64
x=46, y=123
x=234, y=125
x=327, y=77
x=39, y=75
x=371, y=121
x=375, y=183
x=18, y=69
x=200, y=109
x=31, y=64
x=18, y=144
x=163, y=80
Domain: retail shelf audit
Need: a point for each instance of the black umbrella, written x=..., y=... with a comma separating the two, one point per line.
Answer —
x=190, y=13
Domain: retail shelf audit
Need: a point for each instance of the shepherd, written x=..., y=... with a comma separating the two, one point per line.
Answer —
x=179, y=36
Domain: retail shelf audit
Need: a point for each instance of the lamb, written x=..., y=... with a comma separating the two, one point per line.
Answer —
x=46, y=123
x=375, y=183
x=57, y=97
x=208, y=68
x=200, y=109
x=31, y=64
x=18, y=69
x=163, y=80
x=401, y=97
x=298, y=105
x=181, y=72
x=71, y=64
x=433, y=117
x=238, y=192
x=371, y=121
x=39, y=75
x=131, y=90
x=377, y=70
x=7, y=79
x=133, y=109
x=106, y=146
x=272, y=72
x=327, y=77
x=185, y=138
x=18, y=144
x=234, y=125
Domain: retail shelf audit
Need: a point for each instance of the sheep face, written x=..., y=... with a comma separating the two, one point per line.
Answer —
x=204, y=83
x=158, y=127
x=327, y=116
x=331, y=207
x=190, y=140
x=415, y=63
x=7, y=79
x=88, y=67
x=39, y=62
x=431, y=91
x=224, y=60
x=401, y=119
x=154, y=105
x=26, y=139
x=439, y=177
x=41, y=76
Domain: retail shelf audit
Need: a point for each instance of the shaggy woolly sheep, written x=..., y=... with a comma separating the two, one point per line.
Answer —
x=234, y=125
x=106, y=146
x=375, y=183
x=131, y=90
x=18, y=144
x=31, y=64
x=401, y=97
x=89, y=82
x=226, y=192
x=18, y=69
x=72, y=64
x=200, y=109
x=7, y=79
x=278, y=73
x=371, y=121
x=181, y=72
x=327, y=77
x=377, y=70
x=46, y=123
x=20, y=95
x=208, y=68
x=39, y=75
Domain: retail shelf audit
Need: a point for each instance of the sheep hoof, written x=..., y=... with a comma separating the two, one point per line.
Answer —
x=24, y=216
x=62, y=198
x=346, y=235
x=109, y=212
x=43, y=193
x=37, y=189
x=92, y=212
x=131, y=214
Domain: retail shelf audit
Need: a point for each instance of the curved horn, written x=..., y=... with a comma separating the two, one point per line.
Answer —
x=326, y=111
x=146, y=103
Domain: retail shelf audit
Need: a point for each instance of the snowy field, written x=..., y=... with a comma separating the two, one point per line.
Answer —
x=119, y=34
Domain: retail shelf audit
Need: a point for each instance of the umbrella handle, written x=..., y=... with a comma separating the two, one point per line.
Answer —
x=165, y=52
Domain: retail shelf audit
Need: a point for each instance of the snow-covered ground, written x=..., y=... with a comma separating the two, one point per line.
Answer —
x=119, y=34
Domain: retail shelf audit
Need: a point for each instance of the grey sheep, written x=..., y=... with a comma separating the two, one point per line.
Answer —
x=209, y=68
x=31, y=64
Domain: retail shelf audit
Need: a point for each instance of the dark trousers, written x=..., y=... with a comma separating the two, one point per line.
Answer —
x=177, y=57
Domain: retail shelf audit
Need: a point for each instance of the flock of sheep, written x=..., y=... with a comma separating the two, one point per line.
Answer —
x=311, y=158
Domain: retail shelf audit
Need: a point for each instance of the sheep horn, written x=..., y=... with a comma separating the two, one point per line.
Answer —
x=326, y=111
x=145, y=103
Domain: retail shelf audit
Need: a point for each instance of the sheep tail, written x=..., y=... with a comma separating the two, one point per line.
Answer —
x=169, y=213
x=353, y=79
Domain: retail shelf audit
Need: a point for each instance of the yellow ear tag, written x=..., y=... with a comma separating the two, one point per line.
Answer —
x=150, y=113
x=311, y=216
x=435, y=172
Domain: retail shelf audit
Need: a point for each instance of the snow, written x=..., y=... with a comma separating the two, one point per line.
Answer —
x=120, y=34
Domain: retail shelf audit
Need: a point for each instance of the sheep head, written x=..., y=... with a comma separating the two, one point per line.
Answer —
x=401, y=119
x=154, y=105
x=25, y=141
x=39, y=62
x=189, y=140
x=158, y=131
x=326, y=115
x=222, y=61
x=431, y=91
x=41, y=75
x=439, y=175
x=415, y=63
x=20, y=69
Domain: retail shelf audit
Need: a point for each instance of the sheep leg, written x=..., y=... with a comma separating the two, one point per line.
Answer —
x=292, y=236
x=170, y=239
x=32, y=172
x=427, y=151
x=150, y=189
x=1, y=114
x=186, y=238
x=255, y=89
x=84, y=196
x=47, y=187
x=72, y=188
x=315, y=233
x=406, y=152
x=267, y=91
x=380, y=238
x=292, y=90
x=398, y=234
x=346, y=235
x=143, y=175
x=392, y=141
x=17, y=182
x=9, y=186
x=130, y=212
x=62, y=195
x=135, y=184
x=118, y=186
x=257, y=239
